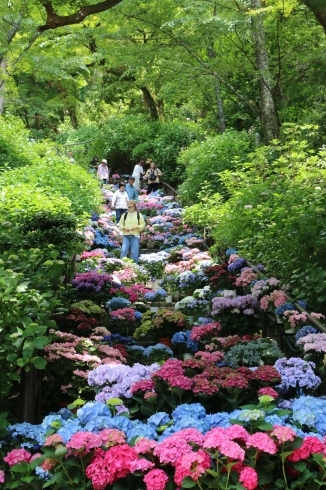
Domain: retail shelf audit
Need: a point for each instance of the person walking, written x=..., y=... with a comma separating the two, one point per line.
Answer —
x=138, y=172
x=103, y=171
x=120, y=201
x=131, y=189
x=153, y=175
x=132, y=223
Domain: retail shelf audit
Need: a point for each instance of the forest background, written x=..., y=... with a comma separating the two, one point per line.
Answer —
x=227, y=97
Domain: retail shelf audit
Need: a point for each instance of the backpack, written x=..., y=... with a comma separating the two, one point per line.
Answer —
x=152, y=175
x=125, y=217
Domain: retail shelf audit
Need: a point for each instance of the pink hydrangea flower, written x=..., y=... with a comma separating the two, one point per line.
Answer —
x=140, y=465
x=2, y=476
x=237, y=432
x=267, y=391
x=156, y=480
x=192, y=435
x=17, y=456
x=53, y=440
x=263, y=442
x=112, y=437
x=193, y=464
x=109, y=466
x=309, y=446
x=283, y=434
x=249, y=478
x=83, y=443
x=218, y=439
x=144, y=445
x=171, y=449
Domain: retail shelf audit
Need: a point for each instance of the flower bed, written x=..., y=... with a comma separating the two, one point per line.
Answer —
x=238, y=415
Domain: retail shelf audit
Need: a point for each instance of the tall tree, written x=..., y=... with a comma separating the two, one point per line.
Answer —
x=268, y=110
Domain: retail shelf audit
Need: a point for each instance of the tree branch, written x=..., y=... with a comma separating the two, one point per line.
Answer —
x=318, y=8
x=54, y=20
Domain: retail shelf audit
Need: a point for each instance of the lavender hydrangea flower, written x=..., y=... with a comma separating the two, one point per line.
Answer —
x=297, y=373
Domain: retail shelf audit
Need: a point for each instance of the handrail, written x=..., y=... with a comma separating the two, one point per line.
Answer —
x=313, y=320
x=171, y=188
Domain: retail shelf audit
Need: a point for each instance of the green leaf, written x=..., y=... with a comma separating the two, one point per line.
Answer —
x=299, y=466
x=264, y=477
x=40, y=342
x=39, y=362
x=188, y=482
x=20, y=468
x=265, y=426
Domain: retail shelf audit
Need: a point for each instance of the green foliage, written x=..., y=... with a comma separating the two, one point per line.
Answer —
x=16, y=148
x=32, y=218
x=28, y=288
x=205, y=160
x=276, y=213
x=74, y=185
x=125, y=139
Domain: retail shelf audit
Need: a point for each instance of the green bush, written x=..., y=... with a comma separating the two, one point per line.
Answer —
x=276, y=215
x=31, y=218
x=16, y=147
x=205, y=160
x=29, y=286
x=124, y=140
x=58, y=179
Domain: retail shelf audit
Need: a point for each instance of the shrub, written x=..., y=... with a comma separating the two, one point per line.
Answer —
x=16, y=148
x=204, y=160
x=272, y=214
x=58, y=179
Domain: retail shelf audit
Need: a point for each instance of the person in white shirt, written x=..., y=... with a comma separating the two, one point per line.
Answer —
x=138, y=173
x=103, y=171
x=131, y=224
x=70, y=157
x=120, y=201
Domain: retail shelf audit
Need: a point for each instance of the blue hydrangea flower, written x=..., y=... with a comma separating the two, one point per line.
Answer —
x=285, y=306
x=231, y=251
x=237, y=264
x=158, y=419
x=91, y=410
x=189, y=409
x=308, y=329
x=69, y=428
x=117, y=303
x=138, y=315
x=156, y=349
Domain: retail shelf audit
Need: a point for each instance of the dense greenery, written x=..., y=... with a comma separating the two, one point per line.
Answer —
x=211, y=91
x=276, y=212
x=44, y=201
x=204, y=161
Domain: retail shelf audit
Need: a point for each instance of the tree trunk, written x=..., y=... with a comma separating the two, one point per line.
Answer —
x=220, y=110
x=268, y=113
x=3, y=69
x=318, y=8
x=152, y=104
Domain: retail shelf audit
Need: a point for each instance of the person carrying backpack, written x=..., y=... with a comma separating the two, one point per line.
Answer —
x=153, y=175
x=131, y=224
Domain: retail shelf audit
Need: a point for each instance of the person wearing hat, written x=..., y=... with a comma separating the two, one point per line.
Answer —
x=120, y=201
x=131, y=224
x=131, y=189
x=103, y=171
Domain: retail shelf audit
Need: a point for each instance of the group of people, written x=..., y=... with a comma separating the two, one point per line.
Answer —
x=125, y=199
x=152, y=175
